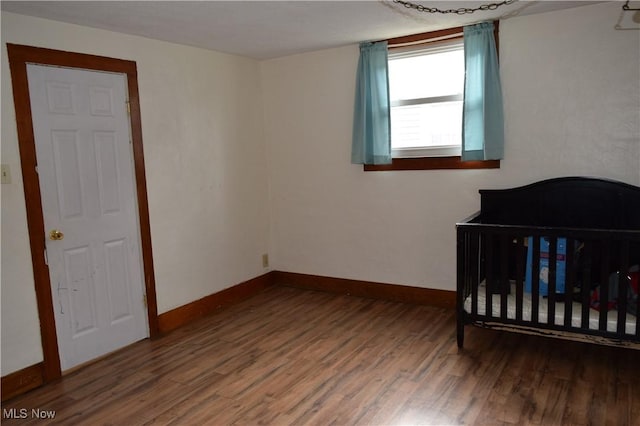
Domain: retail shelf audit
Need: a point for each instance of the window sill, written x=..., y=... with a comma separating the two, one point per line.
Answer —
x=432, y=163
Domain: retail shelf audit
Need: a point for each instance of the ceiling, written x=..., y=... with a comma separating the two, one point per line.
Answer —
x=270, y=29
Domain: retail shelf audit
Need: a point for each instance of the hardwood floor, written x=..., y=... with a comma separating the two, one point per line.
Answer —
x=291, y=356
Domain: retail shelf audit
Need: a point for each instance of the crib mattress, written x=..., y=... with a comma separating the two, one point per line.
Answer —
x=576, y=320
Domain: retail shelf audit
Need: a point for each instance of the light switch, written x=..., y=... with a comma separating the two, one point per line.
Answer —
x=6, y=173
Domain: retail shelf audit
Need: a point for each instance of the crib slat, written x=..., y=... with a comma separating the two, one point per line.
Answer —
x=474, y=265
x=570, y=280
x=519, y=277
x=488, y=262
x=623, y=267
x=551, y=287
x=604, y=285
x=504, y=275
x=535, y=278
x=638, y=318
x=635, y=249
x=586, y=284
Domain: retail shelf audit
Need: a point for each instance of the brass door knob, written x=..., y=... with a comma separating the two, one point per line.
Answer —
x=55, y=235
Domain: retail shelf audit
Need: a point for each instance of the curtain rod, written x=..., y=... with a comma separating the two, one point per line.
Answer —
x=434, y=36
x=431, y=40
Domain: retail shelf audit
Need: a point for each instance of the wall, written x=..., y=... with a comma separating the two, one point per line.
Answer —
x=572, y=102
x=205, y=166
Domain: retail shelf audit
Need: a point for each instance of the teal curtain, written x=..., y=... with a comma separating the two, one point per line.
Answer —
x=371, y=143
x=482, y=115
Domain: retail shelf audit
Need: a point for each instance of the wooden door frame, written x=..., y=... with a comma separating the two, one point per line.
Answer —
x=19, y=57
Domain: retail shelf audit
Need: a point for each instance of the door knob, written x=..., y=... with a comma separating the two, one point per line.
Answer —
x=55, y=235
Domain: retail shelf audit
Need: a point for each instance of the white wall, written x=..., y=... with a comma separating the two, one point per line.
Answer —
x=572, y=102
x=205, y=165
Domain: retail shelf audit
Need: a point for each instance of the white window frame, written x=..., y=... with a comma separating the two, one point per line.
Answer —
x=420, y=50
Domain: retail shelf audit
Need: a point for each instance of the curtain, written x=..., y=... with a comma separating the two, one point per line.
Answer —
x=482, y=115
x=371, y=143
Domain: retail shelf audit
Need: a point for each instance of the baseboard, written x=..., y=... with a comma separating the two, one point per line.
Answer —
x=22, y=381
x=32, y=377
x=398, y=293
x=190, y=312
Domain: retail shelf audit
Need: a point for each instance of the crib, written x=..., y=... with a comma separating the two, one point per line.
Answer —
x=558, y=258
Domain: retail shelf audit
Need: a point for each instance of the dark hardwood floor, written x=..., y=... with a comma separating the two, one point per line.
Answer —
x=295, y=357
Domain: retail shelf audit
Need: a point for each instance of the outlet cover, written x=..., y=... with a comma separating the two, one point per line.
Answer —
x=6, y=173
x=265, y=260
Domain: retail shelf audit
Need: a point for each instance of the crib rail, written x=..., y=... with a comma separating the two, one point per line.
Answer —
x=505, y=277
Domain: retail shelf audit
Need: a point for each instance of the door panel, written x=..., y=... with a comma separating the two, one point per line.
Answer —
x=77, y=293
x=67, y=173
x=107, y=162
x=117, y=272
x=85, y=170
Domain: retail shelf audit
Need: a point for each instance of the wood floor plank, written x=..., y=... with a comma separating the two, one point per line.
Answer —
x=289, y=356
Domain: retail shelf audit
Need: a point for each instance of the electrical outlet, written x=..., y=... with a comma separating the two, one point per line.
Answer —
x=6, y=173
x=265, y=260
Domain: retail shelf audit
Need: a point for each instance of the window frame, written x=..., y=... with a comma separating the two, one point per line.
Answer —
x=420, y=50
x=433, y=162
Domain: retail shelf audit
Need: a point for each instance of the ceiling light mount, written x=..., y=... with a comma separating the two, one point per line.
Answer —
x=459, y=11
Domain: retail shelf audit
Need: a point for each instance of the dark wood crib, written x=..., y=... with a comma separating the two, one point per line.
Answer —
x=507, y=277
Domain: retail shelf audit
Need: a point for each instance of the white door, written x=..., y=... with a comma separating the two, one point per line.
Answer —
x=85, y=169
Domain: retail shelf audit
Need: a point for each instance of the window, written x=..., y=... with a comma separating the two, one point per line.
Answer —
x=426, y=84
